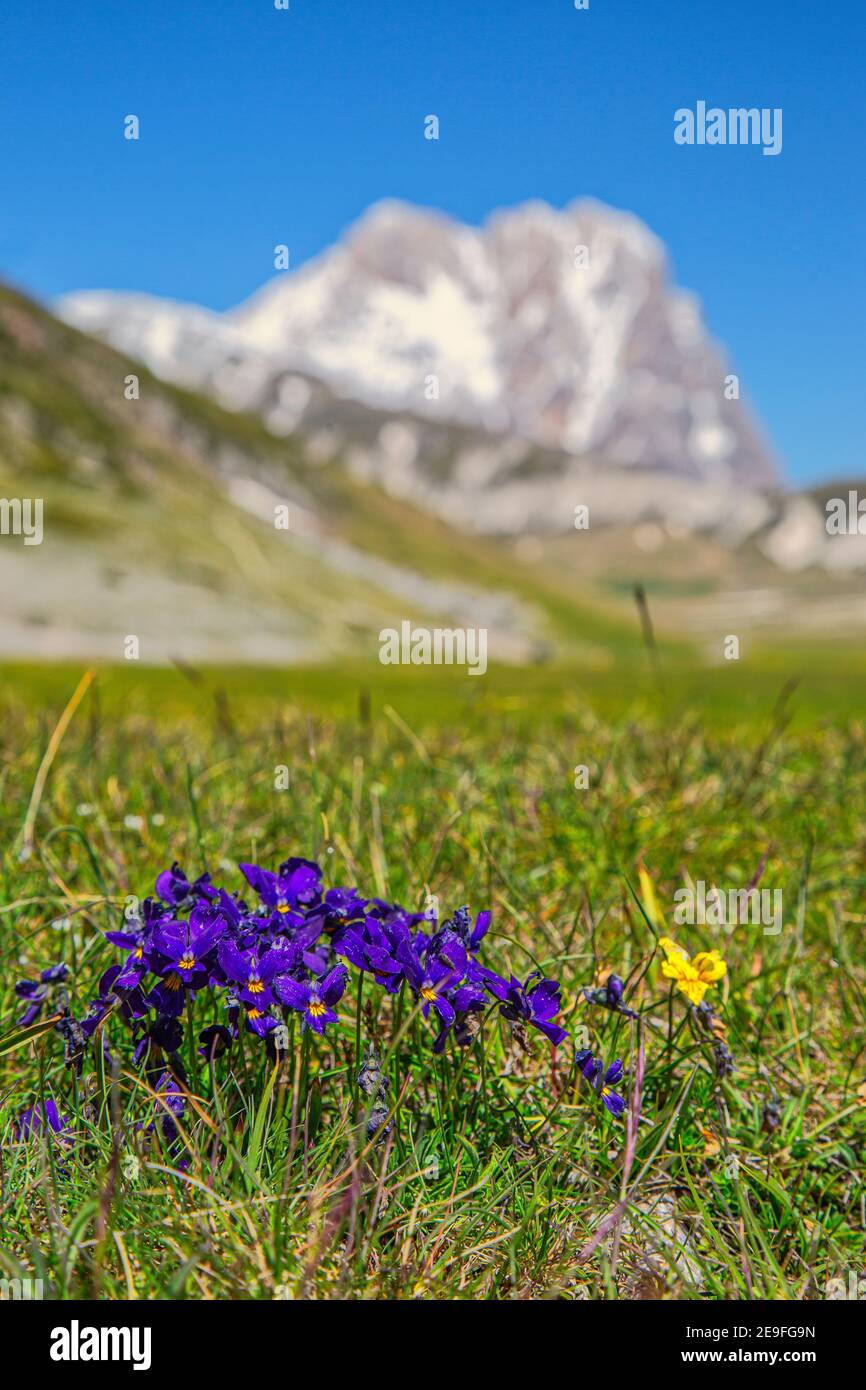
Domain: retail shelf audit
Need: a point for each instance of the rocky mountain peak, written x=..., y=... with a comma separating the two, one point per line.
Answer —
x=559, y=328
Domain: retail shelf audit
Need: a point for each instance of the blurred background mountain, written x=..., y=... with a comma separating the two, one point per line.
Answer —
x=431, y=402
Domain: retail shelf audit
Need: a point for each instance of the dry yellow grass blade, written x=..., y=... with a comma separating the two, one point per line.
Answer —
x=45, y=766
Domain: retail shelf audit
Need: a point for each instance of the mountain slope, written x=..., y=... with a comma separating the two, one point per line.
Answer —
x=159, y=523
x=554, y=334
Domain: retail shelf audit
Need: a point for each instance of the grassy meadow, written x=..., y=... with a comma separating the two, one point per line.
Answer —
x=502, y=1176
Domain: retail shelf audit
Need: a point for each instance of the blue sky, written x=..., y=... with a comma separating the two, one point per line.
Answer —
x=261, y=126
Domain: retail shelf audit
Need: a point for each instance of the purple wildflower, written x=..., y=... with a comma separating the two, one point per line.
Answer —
x=44, y=1117
x=313, y=999
x=536, y=1001
x=37, y=992
x=298, y=881
x=609, y=996
x=600, y=1080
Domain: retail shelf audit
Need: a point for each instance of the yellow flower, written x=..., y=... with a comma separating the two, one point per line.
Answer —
x=692, y=976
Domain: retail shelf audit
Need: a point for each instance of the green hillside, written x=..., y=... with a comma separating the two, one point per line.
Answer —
x=144, y=530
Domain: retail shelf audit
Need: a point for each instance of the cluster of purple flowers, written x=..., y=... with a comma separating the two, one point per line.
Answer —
x=291, y=950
